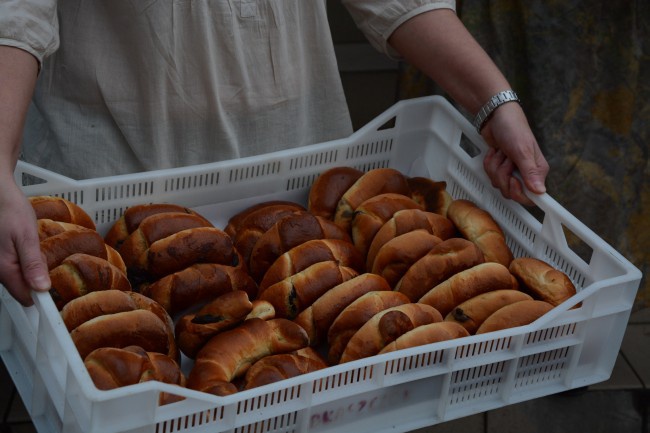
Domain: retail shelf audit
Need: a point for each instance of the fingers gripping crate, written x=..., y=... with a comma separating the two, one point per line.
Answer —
x=400, y=391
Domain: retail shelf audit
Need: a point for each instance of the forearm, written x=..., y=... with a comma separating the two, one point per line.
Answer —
x=438, y=44
x=18, y=72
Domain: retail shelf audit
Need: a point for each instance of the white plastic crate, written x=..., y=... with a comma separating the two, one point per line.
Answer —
x=399, y=391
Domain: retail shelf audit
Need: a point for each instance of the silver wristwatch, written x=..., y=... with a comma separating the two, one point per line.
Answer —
x=492, y=104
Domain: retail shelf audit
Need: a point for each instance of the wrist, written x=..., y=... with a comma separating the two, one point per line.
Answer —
x=496, y=101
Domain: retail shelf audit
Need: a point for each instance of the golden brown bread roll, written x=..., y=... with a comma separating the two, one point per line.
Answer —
x=56, y=248
x=473, y=312
x=355, y=315
x=230, y=354
x=479, y=226
x=397, y=255
x=426, y=334
x=155, y=227
x=441, y=262
x=60, y=209
x=304, y=255
x=405, y=221
x=372, y=183
x=112, y=318
x=197, y=284
x=318, y=317
x=80, y=273
x=236, y=221
x=542, y=281
x=287, y=233
x=180, y=250
x=516, y=314
x=385, y=327
x=468, y=283
x=431, y=195
x=293, y=294
x=224, y=312
x=371, y=215
x=274, y=368
x=134, y=215
x=257, y=222
x=47, y=228
x=112, y=368
x=328, y=188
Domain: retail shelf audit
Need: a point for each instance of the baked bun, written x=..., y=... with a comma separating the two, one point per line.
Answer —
x=405, y=221
x=441, y=262
x=397, y=255
x=231, y=353
x=479, y=226
x=431, y=195
x=58, y=247
x=355, y=315
x=178, y=251
x=112, y=318
x=304, y=255
x=385, y=327
x=318, y=317
x=293, y=294
x=426, y=334
x=224, y=312
x=374, y=182
x=468, y=283
x=473, y=312
x=274, y=368
x=60, y=209
x=258, y=222
x=516, y=314
x=134, y=215
x=542, y=281
x=112, y=368
x=79, y=274
x=328, y=188
x=287, y=233
x=371, y=215
x=198, y=284
x=235, y=222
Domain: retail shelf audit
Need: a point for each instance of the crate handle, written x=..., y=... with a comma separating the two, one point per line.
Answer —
x=42, y=177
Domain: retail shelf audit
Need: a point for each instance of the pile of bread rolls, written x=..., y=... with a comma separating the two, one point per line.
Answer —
x=374, y=262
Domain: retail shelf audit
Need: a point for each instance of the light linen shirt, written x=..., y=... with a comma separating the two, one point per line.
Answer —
x=135, y=85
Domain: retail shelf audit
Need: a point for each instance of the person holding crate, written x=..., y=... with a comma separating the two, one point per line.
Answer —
x=93, y=89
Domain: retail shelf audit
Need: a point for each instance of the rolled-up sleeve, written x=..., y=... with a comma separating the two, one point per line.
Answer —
x=31, y=25
x=378, y=19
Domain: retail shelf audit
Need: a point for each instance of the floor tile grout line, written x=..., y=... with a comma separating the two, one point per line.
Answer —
x=636, y=374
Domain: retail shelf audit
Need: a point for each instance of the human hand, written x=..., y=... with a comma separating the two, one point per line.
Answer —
x=513, y=147
x=22, y=265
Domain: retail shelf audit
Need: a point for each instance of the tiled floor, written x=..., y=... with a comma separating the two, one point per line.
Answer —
x=620, y=405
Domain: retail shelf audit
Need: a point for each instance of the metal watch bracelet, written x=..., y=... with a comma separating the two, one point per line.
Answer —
x=492, y=104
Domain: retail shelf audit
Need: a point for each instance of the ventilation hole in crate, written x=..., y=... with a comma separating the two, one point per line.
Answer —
x=472, y=180
x=301, y=182
x=424, y=360
x=476, y=383
x=373, y=165
x=372, y=148
x=541, y=368
x=556, y=260
x=29, y=179
x=469, y=147
x=249, y=172
x=549, y=334
x=343, y=379
x=270, y=399
x=283, y=423
x=582, y=249
x=477, y=349
x=194, y=420
x=390, y=124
